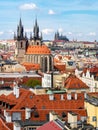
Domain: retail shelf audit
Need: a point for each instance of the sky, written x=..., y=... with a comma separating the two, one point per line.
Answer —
x=77, y=19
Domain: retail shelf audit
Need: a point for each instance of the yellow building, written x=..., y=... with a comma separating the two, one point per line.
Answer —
x=91, y=104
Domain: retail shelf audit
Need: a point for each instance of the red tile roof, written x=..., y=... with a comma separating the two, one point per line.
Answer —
x=31, y=66
x=73, y=82
x=37, y=49
x=50, y=126
x=60, y=67
x=43, y=104
x=3, y=126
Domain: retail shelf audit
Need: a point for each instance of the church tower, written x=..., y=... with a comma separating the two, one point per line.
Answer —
x=36, y=39
x=21, y=42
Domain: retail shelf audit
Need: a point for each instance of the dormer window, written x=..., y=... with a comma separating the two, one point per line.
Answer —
x=64, y=114
x=36, y=114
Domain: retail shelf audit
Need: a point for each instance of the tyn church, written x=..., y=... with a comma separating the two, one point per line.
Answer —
x=32, y=50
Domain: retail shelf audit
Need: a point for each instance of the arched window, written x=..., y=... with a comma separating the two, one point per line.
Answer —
x=45, y=69
x=21, y=45
x=37, y=43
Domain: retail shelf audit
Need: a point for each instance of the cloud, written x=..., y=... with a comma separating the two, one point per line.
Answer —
x=60, y=30
x=79, y=34
x=11, y=32
x=28, y=30
x=1, y=33
x=92, y=34
x=69, y=33
x=47, y=31
x=51, y=12
x=28, y=6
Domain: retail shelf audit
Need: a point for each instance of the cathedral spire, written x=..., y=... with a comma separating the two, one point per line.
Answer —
x=20, y=22
x=36, y=29
x=20, y=30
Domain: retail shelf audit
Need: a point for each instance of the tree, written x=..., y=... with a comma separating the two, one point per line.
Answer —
x=33, y=82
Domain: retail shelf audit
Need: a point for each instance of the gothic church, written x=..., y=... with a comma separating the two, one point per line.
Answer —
x=32, y=50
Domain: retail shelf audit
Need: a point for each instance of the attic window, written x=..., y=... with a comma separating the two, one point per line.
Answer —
x=36, y=115
x=80, y=108
x=64, y=114
x=43, y=107
x=31, y=96
x=22, y=108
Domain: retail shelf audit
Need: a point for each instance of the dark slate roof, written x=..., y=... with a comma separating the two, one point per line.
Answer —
x=31, y=123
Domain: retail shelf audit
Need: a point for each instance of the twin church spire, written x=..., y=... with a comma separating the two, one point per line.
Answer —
x=20, y=32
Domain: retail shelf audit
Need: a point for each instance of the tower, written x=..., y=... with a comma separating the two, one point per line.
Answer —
x=21, y=42
x=36, y=39
x=36, y=30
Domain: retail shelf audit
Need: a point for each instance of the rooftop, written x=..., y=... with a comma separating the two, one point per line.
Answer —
x=37, y=49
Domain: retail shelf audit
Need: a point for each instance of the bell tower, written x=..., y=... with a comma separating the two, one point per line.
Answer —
x=21, y=42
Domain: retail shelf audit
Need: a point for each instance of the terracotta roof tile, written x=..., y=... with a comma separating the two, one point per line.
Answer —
x=3, y=126
x=73, y=82
x=31, y=66
x=36, y=49
x=44, y=105
x=50, y=126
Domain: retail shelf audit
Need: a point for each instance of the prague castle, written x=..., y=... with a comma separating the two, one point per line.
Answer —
x=32, y=50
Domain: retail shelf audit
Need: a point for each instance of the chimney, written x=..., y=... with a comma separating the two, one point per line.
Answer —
x=8, y=117
x=27, y=113
x=85, y=95
x=68, y=96
x=51, y=97
x=14, y=88
x=63, y=82
x=62, y=97
x=72, y=119
x=17, y=92
x=75, y=96
x=52, y=116
x=16, y=126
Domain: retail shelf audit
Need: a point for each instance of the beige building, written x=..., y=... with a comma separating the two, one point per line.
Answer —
x=91, y=104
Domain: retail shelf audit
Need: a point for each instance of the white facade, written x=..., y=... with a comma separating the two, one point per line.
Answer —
x=16, y=126
x=47, y=81
x=87, y=79
x=8, y=117
x=27, y=113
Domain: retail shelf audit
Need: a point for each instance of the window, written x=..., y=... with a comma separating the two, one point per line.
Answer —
x=94, y=118
x=31, y=128
x=16, y=116
x=21, y=44
x=64, y=114
x=36, y=115
x=8, y=66
x=70, y=63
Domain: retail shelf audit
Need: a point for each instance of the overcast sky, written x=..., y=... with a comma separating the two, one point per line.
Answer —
x=77, y=19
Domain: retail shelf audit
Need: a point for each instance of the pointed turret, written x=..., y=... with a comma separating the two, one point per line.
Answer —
x=36, y=30
x=31, y=36
x=41, y=37
x=20, y=30
x=15, y=36
x=25, y=35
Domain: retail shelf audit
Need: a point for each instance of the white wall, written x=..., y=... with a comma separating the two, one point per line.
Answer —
x=46, y=81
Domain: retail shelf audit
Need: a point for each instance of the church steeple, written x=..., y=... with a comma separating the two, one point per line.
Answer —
x=20, y=30
x=36, y=30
